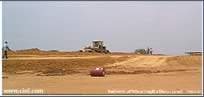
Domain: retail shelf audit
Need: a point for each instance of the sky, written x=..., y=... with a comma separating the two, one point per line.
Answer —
x=169, y=27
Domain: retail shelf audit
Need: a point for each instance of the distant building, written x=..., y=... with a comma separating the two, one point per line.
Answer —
x=194, y=53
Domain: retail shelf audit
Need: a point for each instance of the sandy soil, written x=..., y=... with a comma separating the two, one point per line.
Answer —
x=84, y=84
x=69, y=74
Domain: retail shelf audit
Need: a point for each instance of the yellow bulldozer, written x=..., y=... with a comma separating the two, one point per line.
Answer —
x=97, y=46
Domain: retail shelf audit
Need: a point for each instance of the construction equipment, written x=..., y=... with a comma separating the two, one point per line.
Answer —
x=97, y=46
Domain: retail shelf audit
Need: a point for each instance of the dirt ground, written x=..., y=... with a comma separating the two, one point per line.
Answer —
x=68, y=73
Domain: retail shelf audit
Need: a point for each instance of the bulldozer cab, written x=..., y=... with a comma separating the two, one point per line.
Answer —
x=97, y=44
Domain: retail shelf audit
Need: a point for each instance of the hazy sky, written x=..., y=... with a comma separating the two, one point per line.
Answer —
x=166, y=26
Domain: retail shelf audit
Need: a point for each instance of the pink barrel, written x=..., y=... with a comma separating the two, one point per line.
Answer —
x=97, y=72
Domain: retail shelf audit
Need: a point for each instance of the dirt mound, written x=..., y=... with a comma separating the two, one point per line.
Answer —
x=51, y=67
x=114, y=64
x=37, y=51
x=158, y=61
x=32, y=51
x=53, y=51
x=142, y=61
x=155, y=64
x=29, y=50
x=188, y=61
